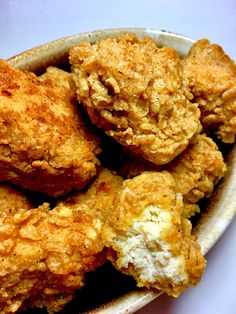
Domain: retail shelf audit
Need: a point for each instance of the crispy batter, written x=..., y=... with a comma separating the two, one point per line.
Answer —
x=150, y=239
x=144, y=97
x=61, y=78
x=133, y=90
x=11, y=200
x=42, y=146
x=211, y=76
x=100, y=195
x=45, y=253
x=64, y=81
x=196, y=171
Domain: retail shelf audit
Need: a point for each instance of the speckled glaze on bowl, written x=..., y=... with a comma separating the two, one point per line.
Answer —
x=221, y=208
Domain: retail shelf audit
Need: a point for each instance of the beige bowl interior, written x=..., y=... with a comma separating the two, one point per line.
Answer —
x=222, y=205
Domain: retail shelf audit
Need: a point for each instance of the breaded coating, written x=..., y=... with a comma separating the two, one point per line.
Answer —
x=65, y=82
x=62, y=80
x=42, y=147
x=196, y=171
x=11, y=200
x=45, y=253
x=100, y=194
x=150, y=239
x=133, y=90
x=211, y=77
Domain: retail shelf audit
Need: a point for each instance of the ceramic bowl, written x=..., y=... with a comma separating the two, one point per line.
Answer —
x=107, y=291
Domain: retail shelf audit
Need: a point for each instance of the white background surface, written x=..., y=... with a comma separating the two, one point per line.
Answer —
x=25, y=24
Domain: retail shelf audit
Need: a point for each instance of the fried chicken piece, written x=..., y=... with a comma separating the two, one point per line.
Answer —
x=45, y=253
x=211, y=77
x=133, y=90
x=12, y=200
x=43, y=146
x=150, y=239
x=65, y=82
x=62, y=80
x=196, y=171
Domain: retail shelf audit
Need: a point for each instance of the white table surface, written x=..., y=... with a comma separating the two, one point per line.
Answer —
x=28, y=23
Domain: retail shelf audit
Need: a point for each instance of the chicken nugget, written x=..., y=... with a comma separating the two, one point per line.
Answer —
x=196, y=171
x=133, y=90
x=65, y=82
x=43, y=146
x=61, y=78
x=45, y=253
x=211, y=77
x=149, y=238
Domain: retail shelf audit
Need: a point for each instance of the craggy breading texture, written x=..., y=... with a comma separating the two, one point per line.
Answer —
x=61, y=78
x=150, y=239
x=211, y=77
x=11, y=200
x=196, y=171
x=133, y=90
x=65, y=82
x=43, y=146
x=45, y=253
x=147, y=99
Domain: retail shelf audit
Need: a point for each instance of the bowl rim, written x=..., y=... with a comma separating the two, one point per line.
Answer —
x=108, y=31
x=42, y=51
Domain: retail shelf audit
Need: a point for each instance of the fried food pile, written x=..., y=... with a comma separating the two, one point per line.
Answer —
x=168, y=115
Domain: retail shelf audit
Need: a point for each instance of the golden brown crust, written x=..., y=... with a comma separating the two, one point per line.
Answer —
x=100, y=194
x=60, y=78
x=63, y=80
x=211, y=77
x=196, y=171
x=145, y=98
x=45, y=253
x=131, y=199
x=41, y=145
x=151, y=240
x=11, y=200
x=133, y=90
